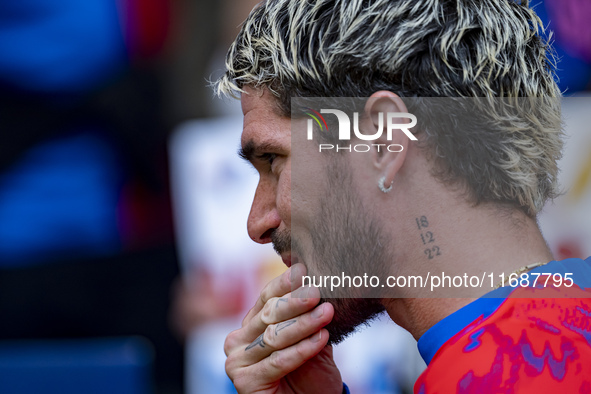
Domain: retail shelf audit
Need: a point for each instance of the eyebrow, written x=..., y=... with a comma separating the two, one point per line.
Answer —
x=251, y=150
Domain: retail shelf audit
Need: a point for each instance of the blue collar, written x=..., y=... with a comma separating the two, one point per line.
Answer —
x=445, y=329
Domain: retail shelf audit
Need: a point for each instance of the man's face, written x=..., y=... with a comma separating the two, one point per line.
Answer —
x=330, y=232
x=266, y=144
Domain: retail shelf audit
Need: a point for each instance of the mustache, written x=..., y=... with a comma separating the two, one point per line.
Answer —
x=281, y=240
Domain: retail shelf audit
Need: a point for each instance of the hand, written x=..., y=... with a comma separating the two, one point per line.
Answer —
x=281, y=347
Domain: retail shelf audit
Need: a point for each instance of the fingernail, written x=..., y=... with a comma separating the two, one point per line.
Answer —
x=316, y=337
x=318, y=312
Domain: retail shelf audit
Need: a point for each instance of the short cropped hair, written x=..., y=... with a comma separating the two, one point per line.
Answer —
x=419, y=48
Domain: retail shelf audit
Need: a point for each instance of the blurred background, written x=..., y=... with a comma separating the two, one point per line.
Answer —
x=124, y=258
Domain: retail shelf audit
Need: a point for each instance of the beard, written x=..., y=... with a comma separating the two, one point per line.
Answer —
x=343, y=240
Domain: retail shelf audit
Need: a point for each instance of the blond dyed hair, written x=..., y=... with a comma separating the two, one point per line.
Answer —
x=421, y=48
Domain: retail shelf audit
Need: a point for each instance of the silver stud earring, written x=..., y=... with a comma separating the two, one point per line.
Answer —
x=382, y=187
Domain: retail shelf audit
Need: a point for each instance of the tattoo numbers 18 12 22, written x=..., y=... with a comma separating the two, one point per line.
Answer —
x=428, y=238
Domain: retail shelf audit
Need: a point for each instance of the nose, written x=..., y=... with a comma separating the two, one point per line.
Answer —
x=263, y=217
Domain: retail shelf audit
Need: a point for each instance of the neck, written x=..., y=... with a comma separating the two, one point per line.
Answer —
x=471, y=240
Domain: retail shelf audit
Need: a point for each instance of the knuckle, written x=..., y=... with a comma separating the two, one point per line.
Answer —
x=230, y=342
x=237, y=373
x=300, y=349
x=266, y=293
x=230, y=370
x=277, y=361
x=244, y=381
x=268, y=336
x=247, y=317
x=267, y=314
x=240, y=383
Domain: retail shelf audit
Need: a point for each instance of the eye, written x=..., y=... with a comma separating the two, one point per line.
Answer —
x=268, y=158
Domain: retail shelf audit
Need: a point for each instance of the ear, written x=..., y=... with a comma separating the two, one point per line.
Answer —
x=388, y=154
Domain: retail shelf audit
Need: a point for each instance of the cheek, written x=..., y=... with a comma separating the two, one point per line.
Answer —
x=284, y=196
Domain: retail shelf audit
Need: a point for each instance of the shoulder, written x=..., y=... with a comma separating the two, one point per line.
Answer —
x=529, y=344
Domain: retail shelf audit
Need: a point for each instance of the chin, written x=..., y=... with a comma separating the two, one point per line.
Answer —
x=349, y=315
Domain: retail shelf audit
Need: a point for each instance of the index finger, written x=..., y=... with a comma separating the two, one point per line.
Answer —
x=278, y=287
